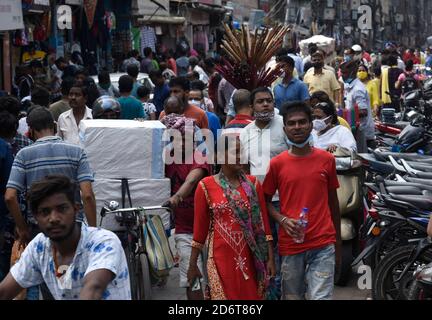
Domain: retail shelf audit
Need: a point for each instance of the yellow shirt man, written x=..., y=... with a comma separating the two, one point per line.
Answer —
x=325, y=81
x=373, y=88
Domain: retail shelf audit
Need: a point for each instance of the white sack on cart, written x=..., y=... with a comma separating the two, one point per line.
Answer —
x=324, y=43
x=124, y=148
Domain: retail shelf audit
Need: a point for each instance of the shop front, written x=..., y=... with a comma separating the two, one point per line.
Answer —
x=11, y=18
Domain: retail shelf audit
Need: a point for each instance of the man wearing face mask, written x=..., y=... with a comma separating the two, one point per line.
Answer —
x=321, y=79
x=305, y=178
x=264, y=138
x=291, y=89
x=204, y=103
x=197, y=99
x=180, y=88
x=355, y=93
x=348, y=55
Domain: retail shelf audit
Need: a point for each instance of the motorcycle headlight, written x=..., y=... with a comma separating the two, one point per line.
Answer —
x=425, y=274
x=384, y=223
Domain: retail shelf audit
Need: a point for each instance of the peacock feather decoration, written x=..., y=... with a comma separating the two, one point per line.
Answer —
x=247, y=54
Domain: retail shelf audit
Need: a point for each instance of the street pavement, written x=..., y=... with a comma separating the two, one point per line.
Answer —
x=172, y=291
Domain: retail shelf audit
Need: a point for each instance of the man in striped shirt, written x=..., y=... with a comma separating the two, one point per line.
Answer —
x=48, y=155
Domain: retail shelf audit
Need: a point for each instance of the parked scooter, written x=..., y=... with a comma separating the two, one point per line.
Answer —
x=350, y=176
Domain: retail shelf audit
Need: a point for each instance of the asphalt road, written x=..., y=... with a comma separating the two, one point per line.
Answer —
x=171, y=290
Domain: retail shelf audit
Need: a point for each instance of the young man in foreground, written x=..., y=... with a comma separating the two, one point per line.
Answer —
x=73, y=260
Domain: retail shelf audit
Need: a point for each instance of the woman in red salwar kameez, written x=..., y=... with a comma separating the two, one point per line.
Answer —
x=230, y=212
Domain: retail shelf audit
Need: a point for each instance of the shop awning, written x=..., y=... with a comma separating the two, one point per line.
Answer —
x=159, y=19
x=210, y=8
x=11, y=16
x=36, y=6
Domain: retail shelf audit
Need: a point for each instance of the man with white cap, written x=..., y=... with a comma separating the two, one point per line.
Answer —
x=360, y=55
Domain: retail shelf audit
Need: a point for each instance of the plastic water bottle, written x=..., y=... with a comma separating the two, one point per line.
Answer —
x=302, y=222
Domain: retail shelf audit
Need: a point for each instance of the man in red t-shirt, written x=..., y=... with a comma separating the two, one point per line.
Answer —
x=243, y=109
x=305, y=178
x=184, y=178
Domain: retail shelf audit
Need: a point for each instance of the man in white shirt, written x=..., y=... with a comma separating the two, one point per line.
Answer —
x=264, y=138
x=73, y=260
x=355, y=93
x=69, y=121
x=193, y=61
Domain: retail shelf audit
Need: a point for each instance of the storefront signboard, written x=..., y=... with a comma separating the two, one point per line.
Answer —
x=11, y=16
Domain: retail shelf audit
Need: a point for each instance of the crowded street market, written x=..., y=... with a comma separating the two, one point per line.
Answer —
x=215, y=150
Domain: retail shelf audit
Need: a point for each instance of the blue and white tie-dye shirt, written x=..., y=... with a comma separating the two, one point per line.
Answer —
x=97, y=249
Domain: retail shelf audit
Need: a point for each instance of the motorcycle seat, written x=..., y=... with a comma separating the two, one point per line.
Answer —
x=421, y=186
x=426, y=167
x=397, y=155
x=419, y=180
x=400, y=124
x=427, y=161
x=398, y=205
x=422, y=202
x=405, y=190
x=422, y=175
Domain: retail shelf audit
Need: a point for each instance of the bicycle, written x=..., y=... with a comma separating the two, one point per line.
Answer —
x=133, y=243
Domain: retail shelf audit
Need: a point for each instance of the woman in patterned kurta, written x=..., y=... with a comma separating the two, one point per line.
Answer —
x=230, y=212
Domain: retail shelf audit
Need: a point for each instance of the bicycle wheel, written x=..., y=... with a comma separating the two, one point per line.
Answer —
x=131, y=263
x=143, y=277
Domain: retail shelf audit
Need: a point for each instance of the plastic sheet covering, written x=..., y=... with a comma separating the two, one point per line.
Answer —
x=128, y=149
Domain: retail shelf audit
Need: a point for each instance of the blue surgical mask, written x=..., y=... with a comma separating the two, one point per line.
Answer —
x=348, y=80
x=347, y=58
x=299, y=145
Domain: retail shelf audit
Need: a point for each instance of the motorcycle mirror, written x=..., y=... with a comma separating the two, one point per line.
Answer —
x=411, y=115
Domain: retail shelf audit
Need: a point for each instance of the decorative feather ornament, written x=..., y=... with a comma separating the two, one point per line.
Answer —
x=247, y=55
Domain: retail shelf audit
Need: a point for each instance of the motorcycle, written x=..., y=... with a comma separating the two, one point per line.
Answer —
x=397, y=210
x=395, y=277
x=421, y=288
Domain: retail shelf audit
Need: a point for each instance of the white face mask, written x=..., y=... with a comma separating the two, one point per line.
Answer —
x=196, y=103
x=320, y=124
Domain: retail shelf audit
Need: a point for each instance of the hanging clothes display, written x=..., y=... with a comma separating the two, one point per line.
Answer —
x=200, y=39
x=148, y=38
x=122, y=41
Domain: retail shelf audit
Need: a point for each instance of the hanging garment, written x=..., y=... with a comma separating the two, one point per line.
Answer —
x=202, y=38
x=148, y=38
